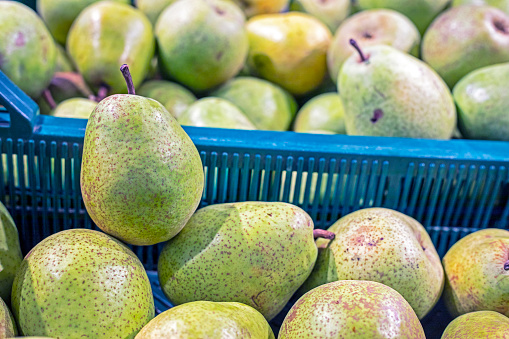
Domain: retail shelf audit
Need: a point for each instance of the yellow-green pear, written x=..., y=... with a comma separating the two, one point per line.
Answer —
x=330, y=12
x=256, y=7
x=152, y=8
x=324, y=114
x=174, y=97
x=500, y=4
x=10, y=252
x=475, y=325
x=79, y=108
x=7, y=324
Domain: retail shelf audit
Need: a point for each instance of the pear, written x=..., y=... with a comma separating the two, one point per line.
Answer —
x=500, y=4
x=174, y=97
x=10, y=253
x=464, y=39
x=152, y=8
x=27, y=50
x=280, y=52
x=82, y=283
x=387, y=92
x=482, y=100
x=351, y=309
x=7, y=325
x=105, y=35
x=421, y=12
x=255, y=253
x=324, y=114
x=330, y=12
x=256, y=7
x=368, y=28
x=79, y=108
x=477, y=273
x=482, y=324
x=202, y=43
x=63, y=62
x=215, y=112
x=206, y=319
x=386, y=246
x=141, y=175
x=267, y=105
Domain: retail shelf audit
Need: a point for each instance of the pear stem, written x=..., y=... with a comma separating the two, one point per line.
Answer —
x=358, y=49
x=318, y=233
x=46, y=95
x=128, y=79
x=101, y=93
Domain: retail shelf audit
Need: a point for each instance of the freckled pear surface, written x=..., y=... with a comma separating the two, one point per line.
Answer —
x=7, y=325
x=385, y=246
x=351, y=309
x=256, y=253
x=482, y=324
x=82, y=284
x=205, y=319
x=141, y=176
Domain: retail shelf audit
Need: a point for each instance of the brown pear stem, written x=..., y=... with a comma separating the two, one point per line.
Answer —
x=318, y=233
x=358, y=49
x=128, y=79
x=46, y=94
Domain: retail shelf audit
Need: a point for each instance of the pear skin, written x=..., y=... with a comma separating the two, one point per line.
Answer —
x=7, y=324
x=256, y=7
x=500, y=4
x=174, y=97
x=10, y=253
x=481, y=324
x=330, y=12
x=322, y=114
x=79, y=108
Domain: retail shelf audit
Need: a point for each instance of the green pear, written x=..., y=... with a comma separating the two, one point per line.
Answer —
x=63, y=61
x=82, y=283
x=387, y=92
x=206, y=319
x=368, y=28
x=7, y=325
x=279, y=51
x=477, y=273
x=474, y=325
x=322, y=114
x=255, y=253
x=215, y=112
x=152, y=8
x=330, y=12
x=202, y=43
x=27, y=50
x=351, y=309
x=267, y=105
x=141, y=175
x=10, y=253
x=257, y=7
x=482, y=100
x=105, y=35
x=386, y=246
x=421, y=12
x=464, y=39
x=174, y=97
x=79, y=108
x=500, y=4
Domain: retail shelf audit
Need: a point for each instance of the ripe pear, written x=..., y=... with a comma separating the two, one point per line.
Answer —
x=79, y=108
x=255, y=253
x=10, y=253
x=105, y=35
x=267, y=105
x=256, y=7
x=60, y=14
x=202, y=43
x=152, y=8
x=141, y=175
x=63, y=61
x=174, y=97
x=7, y=325
x=368, y=28
x=477, y=273
x=500, y=4
x=386, y=246
x=387, y=92
x=82, y=283
x=322, y=114
x=421, y=12
x=474, y=325
x=330, y=12
x=289, y=49
x=27, y=50
x=351, y=309
x=217, y=113
x=464, y=39
x=482, y=100
x=206, y=319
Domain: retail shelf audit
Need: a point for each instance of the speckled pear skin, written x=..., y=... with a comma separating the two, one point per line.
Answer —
x=352, y=309
x=476, y=279
x=7, y=325
x=256, y=253
x=82, y=283
x=79, y=108
x=206, y=319
x=141, y=175
x=474, y=325
x=395, y=95
x=385, y=246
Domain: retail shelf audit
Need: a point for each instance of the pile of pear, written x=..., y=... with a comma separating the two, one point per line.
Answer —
x=431, y=69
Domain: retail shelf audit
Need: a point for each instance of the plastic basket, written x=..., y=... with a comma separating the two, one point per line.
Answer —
x=459, y=183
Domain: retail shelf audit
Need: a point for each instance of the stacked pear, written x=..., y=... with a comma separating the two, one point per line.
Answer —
x=10, y=253
x=481, y=324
